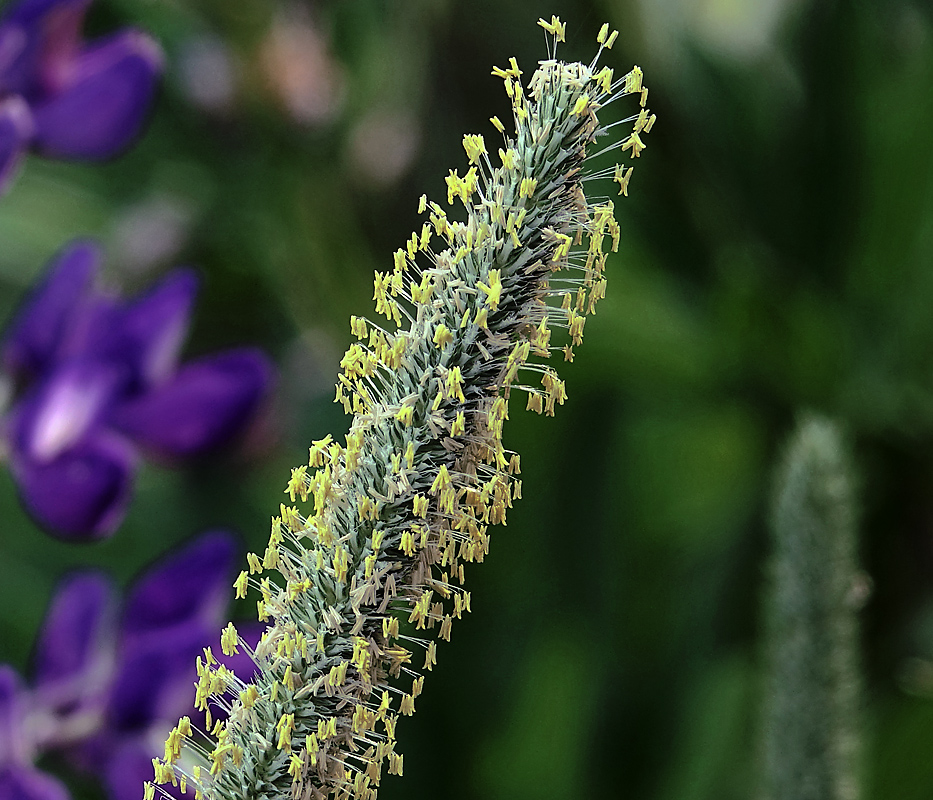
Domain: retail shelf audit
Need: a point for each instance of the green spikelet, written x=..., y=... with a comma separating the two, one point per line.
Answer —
x=812, y=690
x=386, y=521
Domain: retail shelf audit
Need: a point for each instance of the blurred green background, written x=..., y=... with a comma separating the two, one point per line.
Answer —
x=776, y=256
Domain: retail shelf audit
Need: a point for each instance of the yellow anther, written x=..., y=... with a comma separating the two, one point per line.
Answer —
x=554, y=27
x=581, y=300
x=408, y=706
x=458, y=428
x=442, y=336
x=408, y=544
x=446, y=624
x=454, y=186
x=603, y=79
x=430, y=656
x=404, y=414
x=603, y=33
x=295, y=766
x=270, y=558
x=229, y=639
x=641, y=121
x=581, y=105
x=358, y=327
x=633, y=80
x=441, y=481
x=475, y=147
x=317, y=450
x=563, y=248
x=240, y=584
x=527, y=187
x=470, y=182
x=298, y=484
x=454, y=384
x=535, y=402
x=420, y=506
x=288, y=678
x=422, y=204
x=509, y=158
x=541, y=339
x=249, y=696
x=425, y=238
x=493, y=291
x=622, y=177
x=284, y=728
x=497, y=123
x=341, y=562
x=635, y=143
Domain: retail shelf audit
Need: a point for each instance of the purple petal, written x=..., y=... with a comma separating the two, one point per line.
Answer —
x=82, y=495
x=26, y=783
x=16, y=129
x=36, y=333
x=93, y=325
x=103, y=108
x=129, y=767
x=41, y=43
x=152, y=329
x=207, y=402
x=191, y=584
x=12, y=746
x=13, y=43
x=75, y=650
x=155, y=682
x=31, y=12
x=63, y=410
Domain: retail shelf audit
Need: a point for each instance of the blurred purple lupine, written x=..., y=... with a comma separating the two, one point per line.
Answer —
x=108, y=685
x=66, y=98
x=100, y=381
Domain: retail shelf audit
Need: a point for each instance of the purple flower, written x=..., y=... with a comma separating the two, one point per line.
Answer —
x=64, y=97
x=108, y=684
x=101, y=383
x=26, y=783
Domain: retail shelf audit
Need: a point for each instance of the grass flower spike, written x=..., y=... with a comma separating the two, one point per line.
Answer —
x=368, y=567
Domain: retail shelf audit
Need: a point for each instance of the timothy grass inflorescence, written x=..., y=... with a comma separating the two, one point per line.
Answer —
x=810, y=721
x=388, y=519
